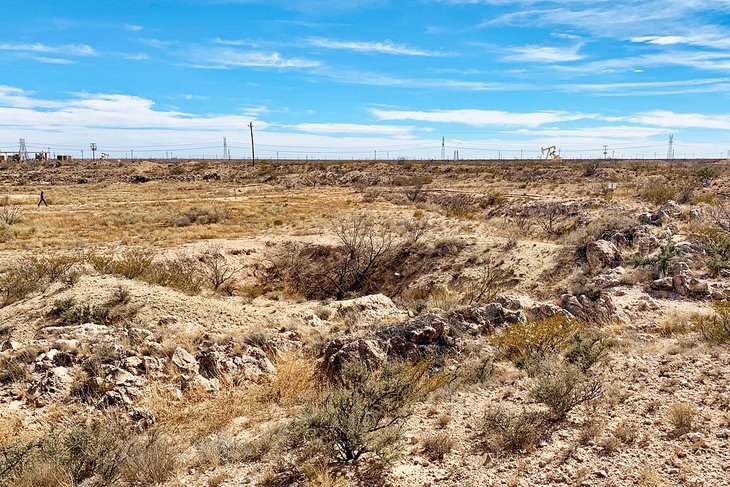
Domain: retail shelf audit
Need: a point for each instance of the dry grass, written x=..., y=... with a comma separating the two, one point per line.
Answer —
x=683, y=418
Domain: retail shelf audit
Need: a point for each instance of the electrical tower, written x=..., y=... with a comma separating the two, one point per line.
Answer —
x=670, y=151
x=92, y=146
x=605, y=152
x=226, y=154
x=443, y=148
x=22, y=150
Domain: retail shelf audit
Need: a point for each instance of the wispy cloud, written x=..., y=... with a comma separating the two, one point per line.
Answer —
x=544, y=54
x=228, y=58
x=350, y=128
x=382, y=79
x=132, y=27
x=481, y=118
x=67, y=49
x=382, y=47
x=666, y=118
x=52, y=60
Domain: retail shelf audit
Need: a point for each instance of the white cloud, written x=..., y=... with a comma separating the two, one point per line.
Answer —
x=132, y=27
x=67, y=49
x=351, y=128
x=227, y=58
x=544, y=54
x=382, y=47
x=136, y=57
x=380, y=79
x=53, y=60
x=665, y=118
x=481, y=118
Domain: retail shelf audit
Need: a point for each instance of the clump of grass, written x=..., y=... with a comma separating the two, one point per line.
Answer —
x=682, y=416
x=197, y=215
x=435, y=447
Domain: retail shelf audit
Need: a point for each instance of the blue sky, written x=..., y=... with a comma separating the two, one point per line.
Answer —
x=346, y=79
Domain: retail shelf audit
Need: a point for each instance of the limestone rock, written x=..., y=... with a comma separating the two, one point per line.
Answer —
x=185, y=362
x=602, y=254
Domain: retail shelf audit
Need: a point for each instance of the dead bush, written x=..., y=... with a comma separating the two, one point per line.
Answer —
x=511, y=430
x=492, y=279
x=551, y=218
x=13, y=371
x=152, y=459
x=10, y=213
x=219, y=273
x=322, y=272
x=436, y=446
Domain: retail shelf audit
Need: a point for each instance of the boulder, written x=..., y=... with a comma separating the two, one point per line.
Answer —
x=594, y=309
x=671, y=208
x=602, y=254
x=185, y=362
x=612, y=278
x=54, y=383
x=367, y=352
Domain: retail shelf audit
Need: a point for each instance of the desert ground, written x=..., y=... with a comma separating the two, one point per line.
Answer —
x=365, y=323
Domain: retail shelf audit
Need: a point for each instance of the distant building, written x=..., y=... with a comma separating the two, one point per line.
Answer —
x=64, y=157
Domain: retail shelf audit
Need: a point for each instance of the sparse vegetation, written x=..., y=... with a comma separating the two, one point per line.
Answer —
x=715, y=328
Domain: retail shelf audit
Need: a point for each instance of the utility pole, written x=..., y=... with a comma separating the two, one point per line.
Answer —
x=443, y=148
x=605, y=152
x=93, y=151
x=132, y=152
x=253, y=154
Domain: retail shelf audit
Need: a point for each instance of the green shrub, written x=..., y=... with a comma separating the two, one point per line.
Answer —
x=585, y=348
x=562, y=387
x=364, y=411
x=509, y=430
x=659, y=194
x=715, y=328
x=535, y=340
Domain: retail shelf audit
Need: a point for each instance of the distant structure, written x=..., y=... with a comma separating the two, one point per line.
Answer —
x=670, y=151
x=443, y=148
x=22, y=150
x=64, y=157
x=226, y=152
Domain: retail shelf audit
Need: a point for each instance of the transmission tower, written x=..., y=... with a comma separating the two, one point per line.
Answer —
x=92, y=146
x=22, y=150
x=226, y=154
x=670, y=151
x=443, y=148
x=605, y=152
